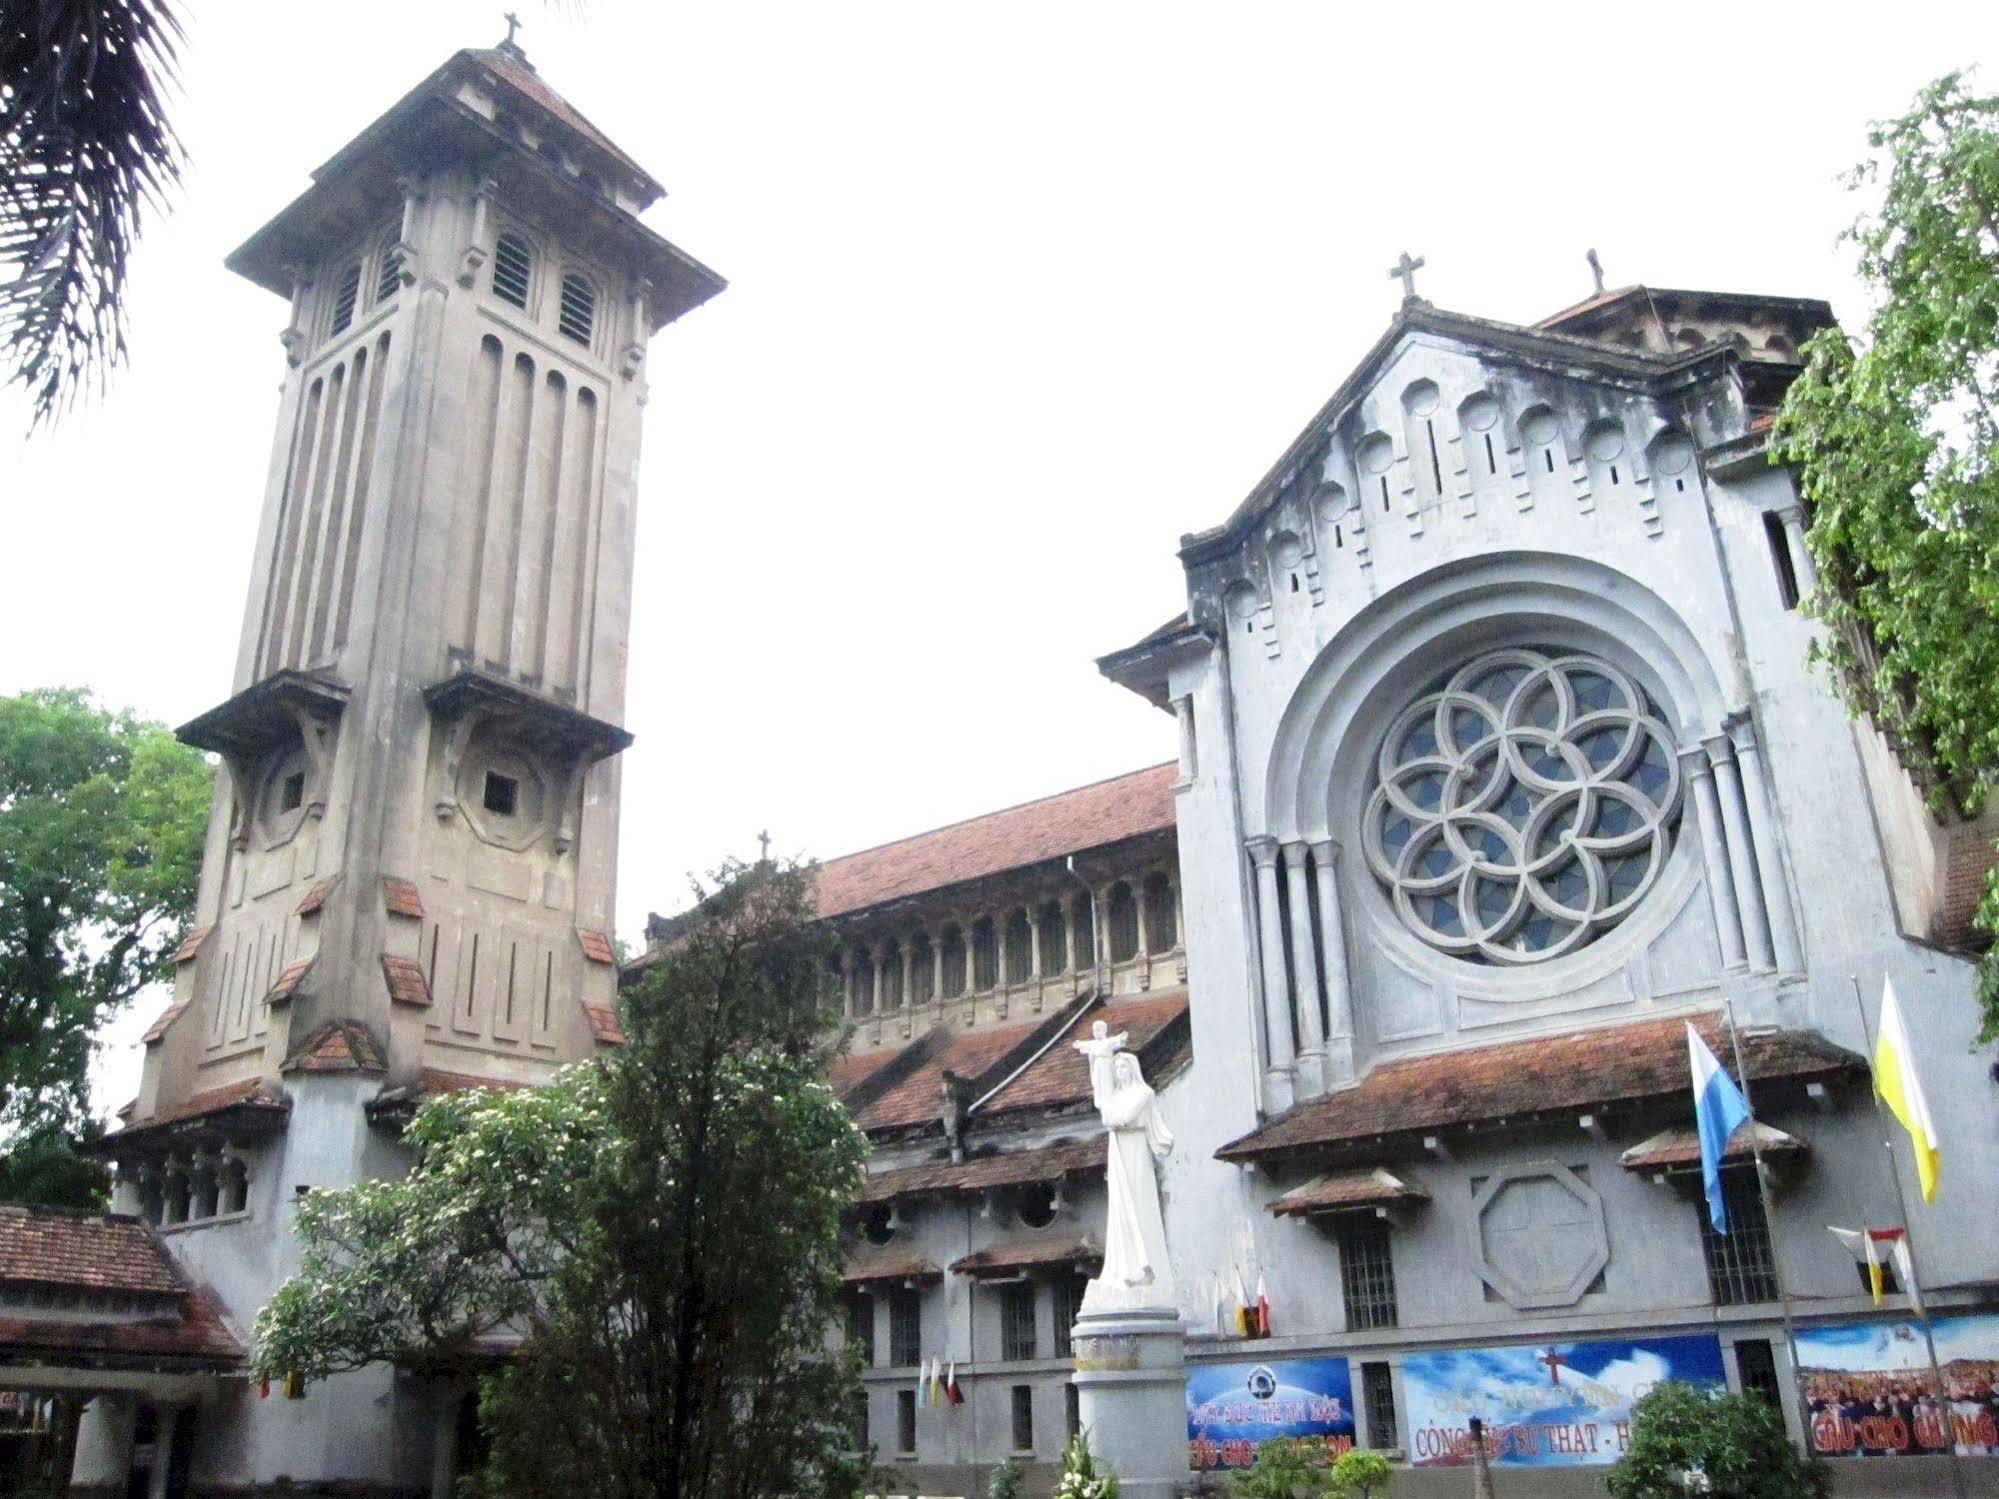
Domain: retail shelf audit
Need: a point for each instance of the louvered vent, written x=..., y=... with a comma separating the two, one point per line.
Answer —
x=579, y=309
x=389, y=280
x=513, y=263
x=344, y=298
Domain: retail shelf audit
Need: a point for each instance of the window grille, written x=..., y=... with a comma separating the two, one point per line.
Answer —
x=1123, y=922
x=1019, y=947
x=922, y=969
x=1758, y=1367
x=1377, y=1392
x=1161, y=921
x=905, y=1328
x=1740, y=1271
x=954, y=962
x=905, y=1422
x=1017, y=1337
x=513, y=265
x=1086, y=934
x=1023, y=1418
x=985, y=955
x=1367, y=1272
x=1068, y=1298
x=577, y=316
x=345, y=295
x=389, y=275
x=861, y=1326
x=1054, y=939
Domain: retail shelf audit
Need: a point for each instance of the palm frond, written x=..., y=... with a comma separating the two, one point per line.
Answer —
x=85, y=149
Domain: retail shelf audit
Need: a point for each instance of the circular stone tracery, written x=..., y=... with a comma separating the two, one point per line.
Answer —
x=1524, y=808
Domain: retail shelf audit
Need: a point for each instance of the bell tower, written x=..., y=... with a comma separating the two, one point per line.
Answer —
x=408, y=878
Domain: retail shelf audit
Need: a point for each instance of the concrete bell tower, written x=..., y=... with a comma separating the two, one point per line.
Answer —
x=408, y=880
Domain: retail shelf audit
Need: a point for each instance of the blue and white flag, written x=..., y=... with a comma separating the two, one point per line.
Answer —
x=1719, y=1109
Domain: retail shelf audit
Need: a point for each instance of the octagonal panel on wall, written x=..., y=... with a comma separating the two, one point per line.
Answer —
x=1537, y=1235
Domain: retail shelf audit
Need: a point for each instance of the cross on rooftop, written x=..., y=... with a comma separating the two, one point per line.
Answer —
x=513, y=24
x=1406, y=269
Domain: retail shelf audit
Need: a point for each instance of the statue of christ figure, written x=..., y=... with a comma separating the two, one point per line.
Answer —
x=1136, y=1272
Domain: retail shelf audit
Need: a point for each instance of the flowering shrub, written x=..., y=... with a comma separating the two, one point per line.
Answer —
x=1083, y=1477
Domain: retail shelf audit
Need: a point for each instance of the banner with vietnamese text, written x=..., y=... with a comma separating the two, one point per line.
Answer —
x=1233, y=1408
x=1871, y=1393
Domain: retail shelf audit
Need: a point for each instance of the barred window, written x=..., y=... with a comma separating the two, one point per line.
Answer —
x=1067, y=1294
x=1740, y=1271
x=1367, y=1272
x=388, y=268
x=513, y=267
x=1019, y=947
x=347, y=292
x=1017, y=1335
x=905, y=1328
x=1123, y=922
x=1023, y=1418
x=905, y=1422
x=861, y=1325
x=922, y=969
x=1758, y=1367
x=1377, y=1393
x=1054, y=939
x=954, y=962
x=985, y=955
x=577, y=316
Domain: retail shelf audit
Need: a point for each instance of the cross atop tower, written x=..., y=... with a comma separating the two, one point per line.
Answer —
x=513, y=24
x=1406, y=270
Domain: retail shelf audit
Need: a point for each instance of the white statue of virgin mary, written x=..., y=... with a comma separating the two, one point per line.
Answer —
x=1136, y=1272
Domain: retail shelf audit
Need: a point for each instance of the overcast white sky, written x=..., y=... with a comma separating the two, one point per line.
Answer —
x=1020, y=293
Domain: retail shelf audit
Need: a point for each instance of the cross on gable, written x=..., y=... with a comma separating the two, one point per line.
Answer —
x=1406, y=270
x=513, y=24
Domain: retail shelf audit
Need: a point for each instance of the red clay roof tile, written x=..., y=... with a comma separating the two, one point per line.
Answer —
x=1672, y=1148
x=190, y=945
x=315, y=898
x=251, y=1094
x=338, y=1046
x=401, y=897
x=157, y=1031
x=867, y=1268
x=407, y=983
x=88, y=1251
x=604, y=1023
x=1362, y=1187
x=1088, y=817
x=1016, y=1255
x=1009, y=1169
x=596, y=946
x=288, y=981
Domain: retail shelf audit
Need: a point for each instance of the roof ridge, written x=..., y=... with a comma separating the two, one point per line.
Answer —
x=1034, y=801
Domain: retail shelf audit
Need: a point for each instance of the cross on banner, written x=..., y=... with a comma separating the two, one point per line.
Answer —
x=1406, y=269
x=1554, y=1361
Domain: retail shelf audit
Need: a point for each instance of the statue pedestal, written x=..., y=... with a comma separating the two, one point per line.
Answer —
x=1131, y=1393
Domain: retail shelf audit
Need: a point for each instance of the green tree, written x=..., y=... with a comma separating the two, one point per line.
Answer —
x=101, y=819
x=1895, y=443
x=1360, y=1472
x=1737, y=1440
x=660, y=1231
x=1285, y=1468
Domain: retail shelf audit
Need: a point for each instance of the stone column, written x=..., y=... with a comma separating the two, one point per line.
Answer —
x=1100, y=903
x=1741, y=857
x=1277, y=1058
x=1141, y=903
x=168, y=1417
x=1183, y=714
x=908, y=974
x=1763, y=830
x=1802, y=562
x=1069, y=936
x=877, y=990
x=1339, y=982
x=847, y=995
x=1311, y=1027
x=1131, y=1393
x=444, y=1446
x=1180, y=928
x=1714, y=856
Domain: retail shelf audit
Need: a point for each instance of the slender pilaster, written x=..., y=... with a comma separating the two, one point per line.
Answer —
x=908, y=974
x=1277, y=1044
x=1305, y=963
x=1802, y=562
x=1741, y=856
x=1763, y=830
x=1183, y=714
x=1714, y=857
x=1339, y=983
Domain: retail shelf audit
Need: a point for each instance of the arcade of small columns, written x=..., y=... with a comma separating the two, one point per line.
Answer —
x=189, y=1184
x=1002, y=940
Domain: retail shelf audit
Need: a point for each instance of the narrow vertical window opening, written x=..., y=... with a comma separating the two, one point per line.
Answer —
x=1780, y=559
x=513, y=265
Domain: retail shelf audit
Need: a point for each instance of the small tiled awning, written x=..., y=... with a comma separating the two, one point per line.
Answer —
x=1680, y=1149
x=1009, y=1260
x=1345, y=1191
x=237, y=1114
x=891, y=1270
x=1013, y=1168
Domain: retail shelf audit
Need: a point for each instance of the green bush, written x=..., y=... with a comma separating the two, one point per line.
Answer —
x=1004, y=1481
x=1360, y=1472
x=1737, y=1440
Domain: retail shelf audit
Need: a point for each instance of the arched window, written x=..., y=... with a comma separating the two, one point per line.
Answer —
x=954, y=962
x=860, y=983
x=388, y=268
x=513, y=266
x=891, y=963
x=1086, y=932
x=1054, y=939
x=985, y=955
x=1162, y=926
x=923, y=970
x=346, y=292
x=1019, y=947
x=577, y=316
x=1122, y=919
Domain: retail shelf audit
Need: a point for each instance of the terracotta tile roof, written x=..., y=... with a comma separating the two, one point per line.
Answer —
x=407, y=984
x=187, y=1332
x=1087, y=817
x=916, y=1096
x=1515, y=1080
x=866, y=1267
x=1009, y=1169
x=88, y=1251
x=315, y=898
x=1157, y=1031
x=401, y=897
x=604, y=1023
x=1363, y=1187
x=514, y=69
x=250, y=1102
x=156, y=1032
x=337, y=1046
x=432, y=1080
x=288, y=982
x=849, y=1072
x=191, y=944
x=596, y=946
x=1016, y=1255
x=1673, y=1148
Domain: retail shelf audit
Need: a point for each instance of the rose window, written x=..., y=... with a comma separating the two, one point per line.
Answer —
x=1523, y=808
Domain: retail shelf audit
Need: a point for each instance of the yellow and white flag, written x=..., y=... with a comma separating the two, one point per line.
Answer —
x=1896, y=1085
